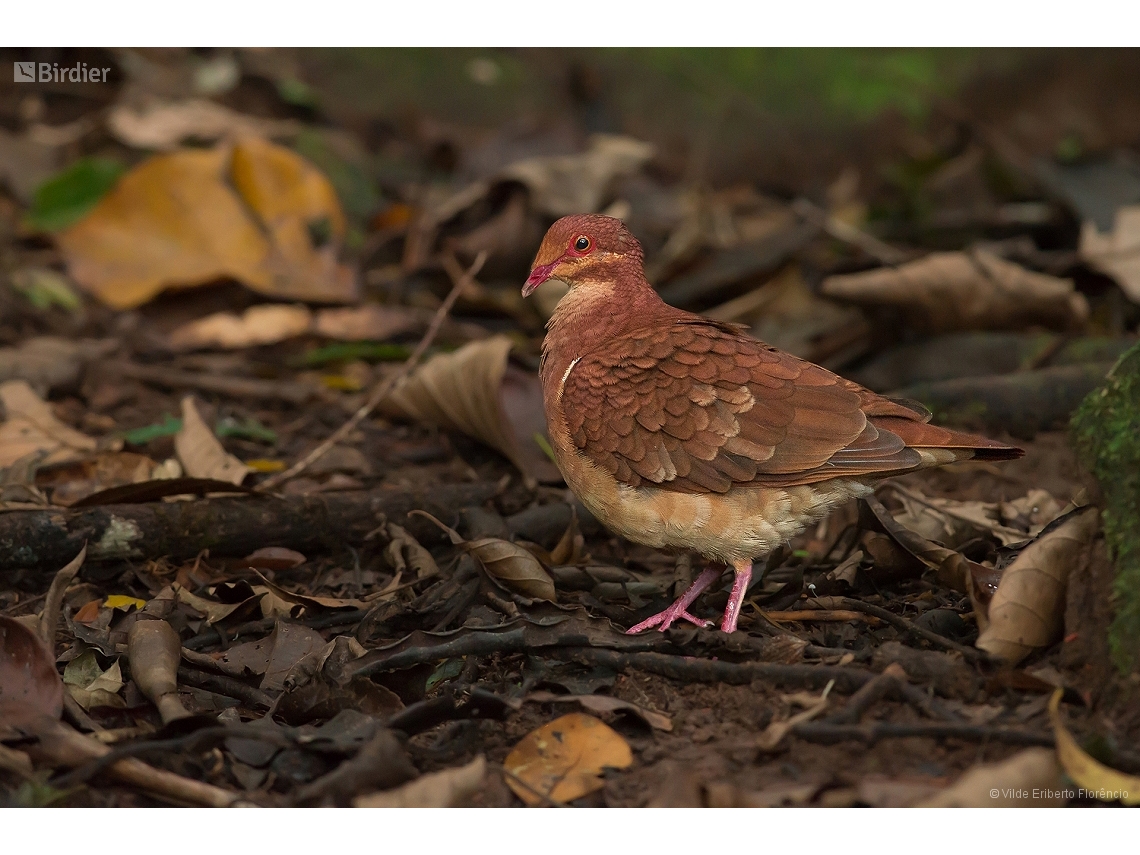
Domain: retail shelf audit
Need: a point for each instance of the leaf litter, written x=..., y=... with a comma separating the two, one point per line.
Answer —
x=465, y=644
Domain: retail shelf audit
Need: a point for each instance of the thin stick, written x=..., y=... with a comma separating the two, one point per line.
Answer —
x=386, y=386
x=880, y=250
x=970, y=654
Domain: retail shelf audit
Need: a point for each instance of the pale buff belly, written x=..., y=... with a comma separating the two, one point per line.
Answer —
x=743, y=524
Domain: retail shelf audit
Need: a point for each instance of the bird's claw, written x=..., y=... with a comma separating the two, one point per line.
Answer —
x=666, y=619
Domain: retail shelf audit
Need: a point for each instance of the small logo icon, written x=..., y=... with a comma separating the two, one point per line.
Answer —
x=24, y=72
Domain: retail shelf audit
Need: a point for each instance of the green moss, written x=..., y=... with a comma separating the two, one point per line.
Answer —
x=1106, y=430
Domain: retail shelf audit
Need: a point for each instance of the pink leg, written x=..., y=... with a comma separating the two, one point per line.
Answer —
x=678, y=609
x=743, y=570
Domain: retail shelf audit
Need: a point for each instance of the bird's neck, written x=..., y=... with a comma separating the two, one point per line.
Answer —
x=593, y=313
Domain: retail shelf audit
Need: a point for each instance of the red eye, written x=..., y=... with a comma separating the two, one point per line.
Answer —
x=582, y=244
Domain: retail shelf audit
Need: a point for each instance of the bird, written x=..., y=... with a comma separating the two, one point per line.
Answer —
x=685, y=433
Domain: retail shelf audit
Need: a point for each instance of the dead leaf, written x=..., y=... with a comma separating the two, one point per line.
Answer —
x=48, y=362
x=1030, y=778
x=292, y=642
x=509, y=563
x=321, y=684
x=77, y=480
x=257, y=325
x=577, y=183
x=952, y=523
x=564, y=760
x=370, y=322
x=1094, y=778
x=161, y=126
x=787, y=313
x=448, y=788
x=308, y=601
x=1027, y=610
x=605, y=703
x=404, y=552
x=954, y=569
x=90, y=685
x=216, y=612
x=477, y=392
x=299, y=208
x=29, y=684
x=175, y=222
x=25, y=164
x=30, y=427
x=966, y=290
x=170, y=222
x=201, y=453
x=274, y=558
x=1118, y=252
x=154, y=651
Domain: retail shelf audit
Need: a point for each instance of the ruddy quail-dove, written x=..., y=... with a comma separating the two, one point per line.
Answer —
x=678, y=431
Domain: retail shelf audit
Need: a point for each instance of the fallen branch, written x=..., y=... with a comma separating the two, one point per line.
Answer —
x=388, y=384
x=235, y=387
x=44, y=540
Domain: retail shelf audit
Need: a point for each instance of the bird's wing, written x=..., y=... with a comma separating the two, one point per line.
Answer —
x=697, y=407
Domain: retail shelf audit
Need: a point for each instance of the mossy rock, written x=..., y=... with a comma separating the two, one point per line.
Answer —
x=1106, y=430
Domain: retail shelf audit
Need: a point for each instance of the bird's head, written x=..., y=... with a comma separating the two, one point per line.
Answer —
x=582, y=249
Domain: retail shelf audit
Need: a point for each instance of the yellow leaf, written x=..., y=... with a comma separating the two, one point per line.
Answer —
x=340, y=383
x=175, y=222
x=299, y=208
x=121, y=601
x=261, y=464
x=171, y=222
x=564, y=760
x=1097, y=780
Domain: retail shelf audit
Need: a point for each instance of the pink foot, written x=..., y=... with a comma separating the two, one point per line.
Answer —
x=679, y=610
x=743, y=571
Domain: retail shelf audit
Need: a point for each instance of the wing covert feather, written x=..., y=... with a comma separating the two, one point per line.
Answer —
x=696, y=407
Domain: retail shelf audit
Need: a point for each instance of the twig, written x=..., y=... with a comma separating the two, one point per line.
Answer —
x=196, y=741
x=898, y=622
x=49, y=617
x=63, y=746
x=262, y=625
x=847, y=233
x=872, y=691
x=223, y=685
x=869, y=734
x=807, y=615
x=467, y=703
x=235, y=387
x=551, y=640
x=386, y=386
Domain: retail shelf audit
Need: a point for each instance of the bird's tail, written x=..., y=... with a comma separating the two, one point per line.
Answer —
x=938, y=445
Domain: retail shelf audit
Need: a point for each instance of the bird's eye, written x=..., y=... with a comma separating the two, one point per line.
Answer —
x=582, y=244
